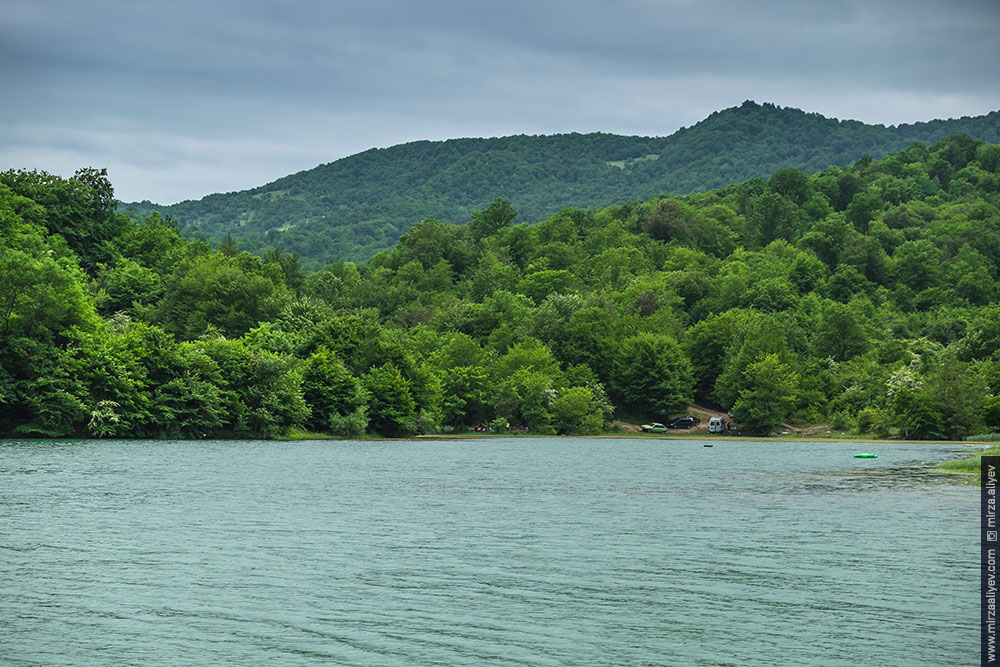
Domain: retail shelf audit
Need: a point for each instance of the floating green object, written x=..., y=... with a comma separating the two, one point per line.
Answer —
x=866, y=456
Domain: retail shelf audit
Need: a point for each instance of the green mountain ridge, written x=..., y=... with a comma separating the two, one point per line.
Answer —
x=352, y=208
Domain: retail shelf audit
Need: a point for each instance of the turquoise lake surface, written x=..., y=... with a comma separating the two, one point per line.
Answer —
x=494, y=551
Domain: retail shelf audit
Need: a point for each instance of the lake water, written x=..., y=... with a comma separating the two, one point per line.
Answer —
x=505, y=551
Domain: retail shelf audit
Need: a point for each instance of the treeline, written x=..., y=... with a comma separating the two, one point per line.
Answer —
x=864, y=297
x=354, y=207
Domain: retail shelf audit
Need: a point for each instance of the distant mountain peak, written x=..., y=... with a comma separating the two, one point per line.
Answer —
x=355, y=206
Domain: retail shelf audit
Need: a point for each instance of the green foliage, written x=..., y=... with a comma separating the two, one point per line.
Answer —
x=529, y=355
x=357, y=206
x=231, y=294
x=864, y=295
x=652, y=374
x=190, y=406
x=770, y=216
x=525, y=398
x=42, y=293
x=984, y=437
x=540, y=284
x=104, y=419
x=352, y=425
x=576, y=412
x=81, y=210
x=467, y=398
x=392, y=409
x=991, y=412
x=487, y=223
x=262, y=390
x=128, y=287
x=330, y=391
x=706, y=344
x=768, y=396
x=841, y=333
x=917, y=264
x=754, y=337
x=956, y=395
x=919, y=418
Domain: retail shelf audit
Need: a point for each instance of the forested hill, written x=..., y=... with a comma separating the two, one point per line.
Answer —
x=356, y=206
x=862, y=298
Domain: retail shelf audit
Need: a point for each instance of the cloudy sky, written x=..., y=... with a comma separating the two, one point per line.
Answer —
x=181, y=99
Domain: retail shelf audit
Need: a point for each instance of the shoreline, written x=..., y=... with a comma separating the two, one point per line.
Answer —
x=694, y=437
x=491, y=436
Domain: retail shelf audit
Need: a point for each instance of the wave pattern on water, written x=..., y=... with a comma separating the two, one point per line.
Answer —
x=497, y=552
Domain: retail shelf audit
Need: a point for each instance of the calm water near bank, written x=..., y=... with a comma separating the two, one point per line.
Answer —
x=506, y=551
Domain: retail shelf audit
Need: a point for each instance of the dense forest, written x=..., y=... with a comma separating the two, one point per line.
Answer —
x=864, y=297
x=356, y=206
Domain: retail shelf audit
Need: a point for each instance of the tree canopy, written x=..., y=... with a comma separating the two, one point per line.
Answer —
x=359, y=205
x=863, y=297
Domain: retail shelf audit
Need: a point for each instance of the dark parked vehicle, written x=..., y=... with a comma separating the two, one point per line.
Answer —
x=685, y=422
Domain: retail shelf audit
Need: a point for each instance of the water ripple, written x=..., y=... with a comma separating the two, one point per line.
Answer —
x=506, y=552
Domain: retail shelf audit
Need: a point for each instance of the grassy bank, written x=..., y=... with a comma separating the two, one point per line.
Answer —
x=971, y=464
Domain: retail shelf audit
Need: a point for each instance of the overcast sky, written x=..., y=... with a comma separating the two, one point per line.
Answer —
x=181, y=99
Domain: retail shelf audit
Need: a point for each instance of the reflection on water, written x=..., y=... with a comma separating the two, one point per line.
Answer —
x=504, y=551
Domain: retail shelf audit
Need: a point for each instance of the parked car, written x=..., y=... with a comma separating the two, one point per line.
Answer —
x=685, y=422
x=655, y=427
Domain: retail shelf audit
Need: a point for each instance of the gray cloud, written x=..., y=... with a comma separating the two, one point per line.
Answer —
x=183, y=99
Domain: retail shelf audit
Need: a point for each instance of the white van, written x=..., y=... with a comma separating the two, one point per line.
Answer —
x=716, y=425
